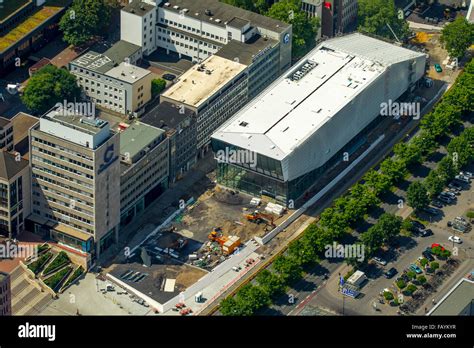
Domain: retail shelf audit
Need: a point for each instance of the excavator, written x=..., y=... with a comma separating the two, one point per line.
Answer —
x=216, y=236
x=257, y=217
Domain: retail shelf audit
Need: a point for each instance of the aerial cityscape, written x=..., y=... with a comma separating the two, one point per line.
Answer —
x=230, y=158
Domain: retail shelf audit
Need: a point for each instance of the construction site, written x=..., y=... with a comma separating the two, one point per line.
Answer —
x=205, y=233
x=221, y=221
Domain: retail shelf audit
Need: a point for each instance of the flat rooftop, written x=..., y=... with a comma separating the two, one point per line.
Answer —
x=225, y=13
x=32, y=22
x=136, y=137
x=166, y=116
x=10, y=7
x=194, y=87
x=291, y=109
x=81, y=123
x=128, y=73
x=245, y=51
x=138, y=8
x=102, y=62
x=456, y=300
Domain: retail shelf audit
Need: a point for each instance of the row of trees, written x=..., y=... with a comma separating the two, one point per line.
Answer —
x=348, y=210
x=447, y=114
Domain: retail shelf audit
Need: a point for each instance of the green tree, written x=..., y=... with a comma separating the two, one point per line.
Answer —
x=378, y=182
x=390, y=225
x=434, y=183
x=288, y=268
x=84, y=20
x=410, y=154
x=304, y=27
x=447, y=168
x=50, y=86
x=271, y=283
x=417, y=196
x=394, y=169
x=375, y=17
x=372, y=239
x=157, y=86
x=302, y=250
x=457, y=36
x=463, y=150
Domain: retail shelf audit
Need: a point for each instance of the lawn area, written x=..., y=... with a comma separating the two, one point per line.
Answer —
x=54, y=281
x=37, y=265
x=60, y=260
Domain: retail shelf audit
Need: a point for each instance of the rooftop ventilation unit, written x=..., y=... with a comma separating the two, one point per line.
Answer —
x=185, y=10
x=176, y=7
x=167, y=4
x=208, y=12
x=218, y=20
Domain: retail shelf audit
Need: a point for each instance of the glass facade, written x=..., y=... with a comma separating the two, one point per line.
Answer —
x=266, y=179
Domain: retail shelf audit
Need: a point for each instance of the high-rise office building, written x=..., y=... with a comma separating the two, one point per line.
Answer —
x=75, y=164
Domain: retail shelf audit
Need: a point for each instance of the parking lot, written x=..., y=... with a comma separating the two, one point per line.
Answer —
x=407, y=255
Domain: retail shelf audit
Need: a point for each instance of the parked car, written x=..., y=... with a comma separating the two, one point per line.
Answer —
x=380, y=261
x=462, y=220
x=415, y=268
x=455, y=186
x=169, y=77
x=390, y=273
x=427, y=255
x=463, y=178
x=431, y=211
x=438, y=68
x=426, y=233
x=467, y=174
x=445, y=199
x=454, y=191
x=417, y=224
x=459, y=228
x=448, y=194
x=455, y=239
x=437, y=204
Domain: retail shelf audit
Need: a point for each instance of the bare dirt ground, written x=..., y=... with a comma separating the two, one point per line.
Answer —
x=219, y=208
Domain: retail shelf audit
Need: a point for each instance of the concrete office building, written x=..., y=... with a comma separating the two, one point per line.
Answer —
x=6, y=134
x=138, y=25
x=458, y=301
x=180, y=125
x=337, y=16
x=300, y=124
x=214, y=91
x=111, y=80
x=199, y=29
x=25, y=27
x=76, y=188
x=15, y=203
x=144, y=154
x=5, y=295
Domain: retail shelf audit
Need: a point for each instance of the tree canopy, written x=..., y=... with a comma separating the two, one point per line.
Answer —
x=84, y=20
x=49, y=86
x=457, y=37
x=375, y=17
